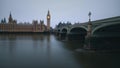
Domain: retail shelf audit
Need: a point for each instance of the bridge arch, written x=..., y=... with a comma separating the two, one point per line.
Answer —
x=64, y=30
x=107, y=28
x=77, y=33
x=58, y=30
x=78, y=30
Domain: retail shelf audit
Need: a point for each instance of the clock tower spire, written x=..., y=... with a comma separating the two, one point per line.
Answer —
x=48, y=20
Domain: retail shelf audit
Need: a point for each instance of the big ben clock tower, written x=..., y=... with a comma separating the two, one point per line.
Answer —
x=48, y=21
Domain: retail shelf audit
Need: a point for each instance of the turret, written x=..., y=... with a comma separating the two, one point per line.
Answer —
x=10, y=18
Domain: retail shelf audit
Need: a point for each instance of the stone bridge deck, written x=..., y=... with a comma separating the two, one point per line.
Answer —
x=96, y=25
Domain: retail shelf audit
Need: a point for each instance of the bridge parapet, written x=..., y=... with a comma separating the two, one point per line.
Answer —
x=107, y=20
x=104, y=25
x=95, y=24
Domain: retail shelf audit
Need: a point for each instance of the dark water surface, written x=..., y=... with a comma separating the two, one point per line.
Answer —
x=47, y=51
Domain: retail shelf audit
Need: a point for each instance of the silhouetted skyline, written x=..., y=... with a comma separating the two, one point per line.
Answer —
x=61, y=10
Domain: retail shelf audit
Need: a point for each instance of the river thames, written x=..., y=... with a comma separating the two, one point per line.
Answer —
x=48, y=51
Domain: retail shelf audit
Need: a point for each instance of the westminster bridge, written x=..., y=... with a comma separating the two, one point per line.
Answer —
x=107, y=29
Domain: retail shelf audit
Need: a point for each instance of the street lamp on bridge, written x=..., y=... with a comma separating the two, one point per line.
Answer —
x=89, y=16
x=89, y=25
x=89, y=30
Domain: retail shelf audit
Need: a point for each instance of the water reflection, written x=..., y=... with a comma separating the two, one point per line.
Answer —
x=98, y=60
x=12, y=44
x=106, y=54
x=105, y=43
x=73, y=45
x=48, y=51
x=10, y=40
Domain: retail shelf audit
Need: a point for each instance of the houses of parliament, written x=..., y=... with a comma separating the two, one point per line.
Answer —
x=35, y=26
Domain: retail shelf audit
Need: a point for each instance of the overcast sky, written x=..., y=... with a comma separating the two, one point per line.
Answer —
x=61, y=10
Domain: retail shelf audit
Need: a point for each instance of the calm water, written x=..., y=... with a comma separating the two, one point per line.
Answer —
x=48, y=51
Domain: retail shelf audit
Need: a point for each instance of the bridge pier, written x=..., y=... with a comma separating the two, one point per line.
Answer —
x=88, y=43
x=88, y=37
x=62, y=35
x=57, y=33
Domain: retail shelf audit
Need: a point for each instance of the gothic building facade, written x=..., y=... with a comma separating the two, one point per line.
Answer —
x=35, y=26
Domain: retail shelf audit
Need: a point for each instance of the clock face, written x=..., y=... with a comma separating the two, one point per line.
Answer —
x=48, y=17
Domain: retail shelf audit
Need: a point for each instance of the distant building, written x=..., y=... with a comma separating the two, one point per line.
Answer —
x=35, y=26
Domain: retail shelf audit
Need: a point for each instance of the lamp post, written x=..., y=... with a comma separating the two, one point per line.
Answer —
x=88, y=37
x=89, y=25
